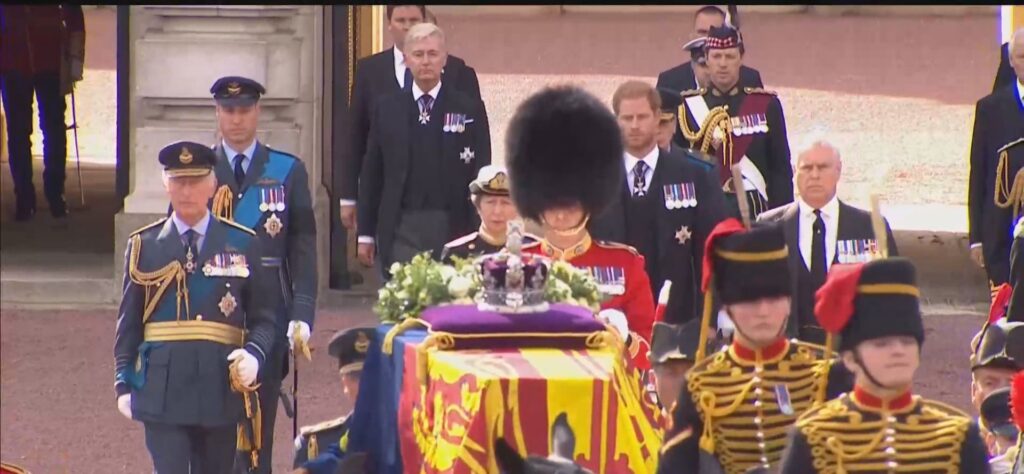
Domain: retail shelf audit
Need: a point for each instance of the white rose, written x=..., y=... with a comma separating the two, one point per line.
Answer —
x=447, y=273
x=458, y=287
x=395, y=267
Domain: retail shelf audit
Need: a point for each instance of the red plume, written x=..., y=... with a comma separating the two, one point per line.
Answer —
x=834, y=300
x=999, y=303
x=727, y=227
x=1017, y=399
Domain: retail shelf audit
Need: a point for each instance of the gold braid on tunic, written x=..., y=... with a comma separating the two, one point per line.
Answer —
x=1009, y=195
x=157, y=282
x=717, y=119
x=744, y=427
x=223, y=206
x=925, y=437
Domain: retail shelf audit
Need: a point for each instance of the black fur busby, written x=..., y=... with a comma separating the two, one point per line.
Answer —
x=747, y=264
x=563, y=147
x=870, y=300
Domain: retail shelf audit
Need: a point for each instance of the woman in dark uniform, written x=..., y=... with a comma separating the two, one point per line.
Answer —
x=490, y=195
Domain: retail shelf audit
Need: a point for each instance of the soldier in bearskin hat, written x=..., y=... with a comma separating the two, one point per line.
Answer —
x=875, y=309
x=565, y=162
x=733, y=413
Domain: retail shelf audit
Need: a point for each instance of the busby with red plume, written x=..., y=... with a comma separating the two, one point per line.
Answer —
x=746, y=264
x=866, y=301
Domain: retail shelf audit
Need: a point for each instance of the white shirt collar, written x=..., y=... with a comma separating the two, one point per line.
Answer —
x=399, y=66
x=829, y=211
x=200, y=226
x=230, y=153
x=399, y=57
x=650, y=158
x=417, y=93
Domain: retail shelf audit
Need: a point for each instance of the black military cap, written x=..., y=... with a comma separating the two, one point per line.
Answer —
x=747, y=264
x=670, y=102
x=996, y=416
x=350, y=347
x=492, y=180
x=698, y=55
x=187, y=159
x=870, y=300
x=237, y=91
x=994, y=346
x=674, y=341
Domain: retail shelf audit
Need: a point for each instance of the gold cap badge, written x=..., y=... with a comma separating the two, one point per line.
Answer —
x=185, y=156
x=234, y=88
x=498, y=182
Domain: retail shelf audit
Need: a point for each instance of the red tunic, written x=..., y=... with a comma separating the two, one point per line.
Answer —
x=32, y=36
x=619, y=270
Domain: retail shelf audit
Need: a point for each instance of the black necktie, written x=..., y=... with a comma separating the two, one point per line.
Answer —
x=819, y=266
x=640, y=179
x=407, y=82
x=191, y=249
x=239, y=171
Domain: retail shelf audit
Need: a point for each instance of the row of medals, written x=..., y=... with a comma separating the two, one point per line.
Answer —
x=749, y=124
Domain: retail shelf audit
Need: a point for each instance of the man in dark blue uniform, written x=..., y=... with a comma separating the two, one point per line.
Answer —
x=267, y=190
x=319, y=447
x=195, y=325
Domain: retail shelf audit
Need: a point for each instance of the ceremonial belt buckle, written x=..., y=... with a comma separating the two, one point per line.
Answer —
x=169, y=331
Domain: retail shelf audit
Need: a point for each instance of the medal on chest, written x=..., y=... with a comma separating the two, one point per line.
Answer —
x=227, y=264
x=227, y=304
x=679, y=195
x=610, y=280
x=749, y=124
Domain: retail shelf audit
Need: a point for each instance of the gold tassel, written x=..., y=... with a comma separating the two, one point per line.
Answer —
x=223, y=205
x=254, y=416
x=1007, y=195
x=389, y=339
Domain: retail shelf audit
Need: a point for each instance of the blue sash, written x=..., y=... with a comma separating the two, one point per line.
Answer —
x=247, y=211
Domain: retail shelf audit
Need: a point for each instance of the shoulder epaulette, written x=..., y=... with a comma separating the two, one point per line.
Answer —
x=693, y=92
x=814, y=347
x=758, y=90
x=1010, y=145
x=461, y=240
x=616, y=245
x=236, y=225
x=821, y=411
x=945, y=409
x=703, y=163
x=322, y=426
x=148, y=226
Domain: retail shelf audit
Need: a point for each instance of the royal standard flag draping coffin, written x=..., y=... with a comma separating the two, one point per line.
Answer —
x=483, y=375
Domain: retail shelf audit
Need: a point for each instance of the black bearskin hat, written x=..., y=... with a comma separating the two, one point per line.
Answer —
x=747, y=264
x=563, y=147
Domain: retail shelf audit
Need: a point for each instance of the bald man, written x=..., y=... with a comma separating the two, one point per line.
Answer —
x=998, y=122
x=820, y=231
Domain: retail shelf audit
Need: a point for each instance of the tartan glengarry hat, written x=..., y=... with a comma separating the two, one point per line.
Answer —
x=867, y=301
x=723, y=37
x=183, y=159
x=237, y=91
x=746, y=264
x=492, y=180
x=350, y=347
x=563, y=147
x=674, y=341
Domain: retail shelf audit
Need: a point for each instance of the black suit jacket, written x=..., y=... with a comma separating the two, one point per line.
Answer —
x=375, y=77
x=1004, y=75
x=386, y=163
x=854, y=224
x=291, y=254
x=998, y=120
x=680, y=78
x=680, y=263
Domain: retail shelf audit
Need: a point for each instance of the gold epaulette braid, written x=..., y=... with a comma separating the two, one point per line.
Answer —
x=312, y=447
x=253, y=415
x=718, y=119
x=156, y=282
x=1009, y=195
x=222, y=203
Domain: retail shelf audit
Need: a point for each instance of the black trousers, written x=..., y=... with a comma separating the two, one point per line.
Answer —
x=183, y=449
x=270, y=398
x=17, y=91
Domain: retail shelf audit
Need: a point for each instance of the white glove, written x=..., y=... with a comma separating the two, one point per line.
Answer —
x=302, y=329
x=124, y=405
x=617, y=319
x=248, y=367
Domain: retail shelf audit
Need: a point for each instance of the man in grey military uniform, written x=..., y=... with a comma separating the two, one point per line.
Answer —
x=195, y=324
x=267, y=190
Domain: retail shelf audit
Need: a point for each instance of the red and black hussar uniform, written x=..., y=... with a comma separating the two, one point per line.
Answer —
x=564, y=149
x=734, y=412
x=752, y=129
x=860, y=431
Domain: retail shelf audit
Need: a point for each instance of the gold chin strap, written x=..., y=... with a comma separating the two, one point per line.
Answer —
x=1009, y=195
x=159, y=280
x=569, y=232
x=222, y=203
x=718, y=119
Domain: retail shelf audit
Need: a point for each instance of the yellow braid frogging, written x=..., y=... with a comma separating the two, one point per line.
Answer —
x=156, y=282
x=1009, y=195
x=223, y=205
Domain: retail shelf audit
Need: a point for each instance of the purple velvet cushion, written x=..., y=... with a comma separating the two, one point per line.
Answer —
x=561, y=326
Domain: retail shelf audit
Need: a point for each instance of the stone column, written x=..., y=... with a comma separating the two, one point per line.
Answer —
x=177, y=52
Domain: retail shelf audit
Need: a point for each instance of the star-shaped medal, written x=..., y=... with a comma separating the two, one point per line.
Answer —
x=227, y=304
x=467, y=155
x=273, y=225
x=683, y=234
